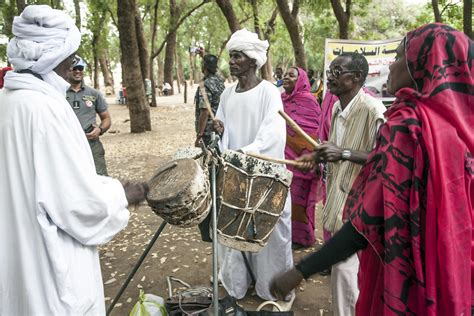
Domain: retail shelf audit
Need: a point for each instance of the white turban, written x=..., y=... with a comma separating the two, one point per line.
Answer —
x=44, y=37
x=249, y=44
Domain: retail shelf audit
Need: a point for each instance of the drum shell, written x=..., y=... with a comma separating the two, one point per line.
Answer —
x=180, y=194
x=251, y=197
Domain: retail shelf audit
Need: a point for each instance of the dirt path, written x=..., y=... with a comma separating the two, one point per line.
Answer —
x=178, y=252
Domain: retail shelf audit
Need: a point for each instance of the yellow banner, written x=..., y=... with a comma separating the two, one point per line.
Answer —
x=379, y=55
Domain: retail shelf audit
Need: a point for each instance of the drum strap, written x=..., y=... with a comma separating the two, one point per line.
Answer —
x=249, y=270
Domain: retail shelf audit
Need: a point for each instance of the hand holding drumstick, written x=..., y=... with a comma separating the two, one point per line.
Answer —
x=294, y=126
x=307, y=161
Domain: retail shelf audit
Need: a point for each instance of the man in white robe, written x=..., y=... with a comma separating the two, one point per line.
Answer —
x=54, y=209
x=248, y=121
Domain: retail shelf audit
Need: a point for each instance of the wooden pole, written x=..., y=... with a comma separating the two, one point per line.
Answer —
x=275, y=160
x=298, y=129
x=206, y=100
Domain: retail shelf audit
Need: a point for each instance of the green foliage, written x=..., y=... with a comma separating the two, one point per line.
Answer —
x=3, y=53
x=207, y=27
x=379, y=21
x=451, y=13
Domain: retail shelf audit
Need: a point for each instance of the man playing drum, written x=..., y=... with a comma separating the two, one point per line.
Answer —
x=248, y=121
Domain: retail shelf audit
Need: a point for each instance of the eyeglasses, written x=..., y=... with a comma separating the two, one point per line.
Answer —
x=337, y=72
x=78, y=68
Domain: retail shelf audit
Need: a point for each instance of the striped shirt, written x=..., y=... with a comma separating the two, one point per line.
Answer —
x=353, y=128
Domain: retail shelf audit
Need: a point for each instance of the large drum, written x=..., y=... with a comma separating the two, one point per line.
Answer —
x=251, y=195
x=179, y=192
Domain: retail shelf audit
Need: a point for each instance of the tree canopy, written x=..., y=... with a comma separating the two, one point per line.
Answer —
x=168, y=31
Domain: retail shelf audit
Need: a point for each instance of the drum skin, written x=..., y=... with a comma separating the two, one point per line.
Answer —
x=251, y=198
x=179, y=193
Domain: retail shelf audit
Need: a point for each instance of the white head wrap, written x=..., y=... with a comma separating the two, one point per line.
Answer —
x=249, y=44
x=44, y=37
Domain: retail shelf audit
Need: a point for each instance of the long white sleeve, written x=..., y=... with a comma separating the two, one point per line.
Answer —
x=90, y=208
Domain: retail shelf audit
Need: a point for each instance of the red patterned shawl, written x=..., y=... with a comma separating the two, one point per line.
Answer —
x=413, y=200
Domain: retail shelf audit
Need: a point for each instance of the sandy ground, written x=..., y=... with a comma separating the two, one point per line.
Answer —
x=178, y=252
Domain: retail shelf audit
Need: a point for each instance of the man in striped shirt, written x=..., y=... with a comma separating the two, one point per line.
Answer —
x=356, y=118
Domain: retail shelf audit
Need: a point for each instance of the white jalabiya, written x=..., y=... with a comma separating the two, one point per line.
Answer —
x=252, y=124
x=54, y=209
x=248, y=43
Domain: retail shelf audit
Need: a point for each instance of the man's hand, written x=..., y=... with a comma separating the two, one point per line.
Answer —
x=282, y=285
x=197, y=141
x=94, y=134
x=135, y=191
x=218, y=126
x=329, y=152
x=307, y=162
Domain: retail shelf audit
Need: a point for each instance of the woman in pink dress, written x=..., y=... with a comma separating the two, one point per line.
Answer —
x=303, y=108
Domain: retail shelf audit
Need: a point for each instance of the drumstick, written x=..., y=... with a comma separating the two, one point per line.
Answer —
x=298, y=129
x=206, y=100
x=275, y=160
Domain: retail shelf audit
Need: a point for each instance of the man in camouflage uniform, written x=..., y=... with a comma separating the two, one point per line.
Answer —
x=214, y=86
x=87, y=103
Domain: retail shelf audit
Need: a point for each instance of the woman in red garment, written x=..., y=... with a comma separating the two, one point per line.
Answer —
x=410, y=210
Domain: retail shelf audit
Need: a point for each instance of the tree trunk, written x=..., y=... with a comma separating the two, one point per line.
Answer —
x=229, y=14
x=107, y=74
x=269, y=30
x=180, y=68
x=154, y=84
x=161, y=73
x=191, y=70
x=342, y=17
x=142, y=49
x=151, y=73
x=77, y=10
x=171, y=46
x=130, y=59
x=178, y=77
x=266, y=70
x=95, y=71
x=109, y=68
x=20, y=6
x=437, y=15
x=291, y=21
x=256, y=23
x=467, y=18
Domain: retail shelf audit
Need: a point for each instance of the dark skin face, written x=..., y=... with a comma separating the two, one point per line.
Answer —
x=240, y=64
x=244, y=68
x=289, y=79
x=278, y=73
x=348, y=82
x=343, y=81
x=63, y=68
x=399, y=76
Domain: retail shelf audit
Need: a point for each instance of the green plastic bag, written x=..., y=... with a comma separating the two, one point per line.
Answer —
x=149, y=305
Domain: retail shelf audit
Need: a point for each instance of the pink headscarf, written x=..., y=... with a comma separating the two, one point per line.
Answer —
x=303, y=108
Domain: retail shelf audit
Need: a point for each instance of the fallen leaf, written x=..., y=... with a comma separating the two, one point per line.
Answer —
x=110, y=281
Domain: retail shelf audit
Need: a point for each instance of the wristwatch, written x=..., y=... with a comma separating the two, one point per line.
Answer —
x=346, y=154
x=102, y=130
